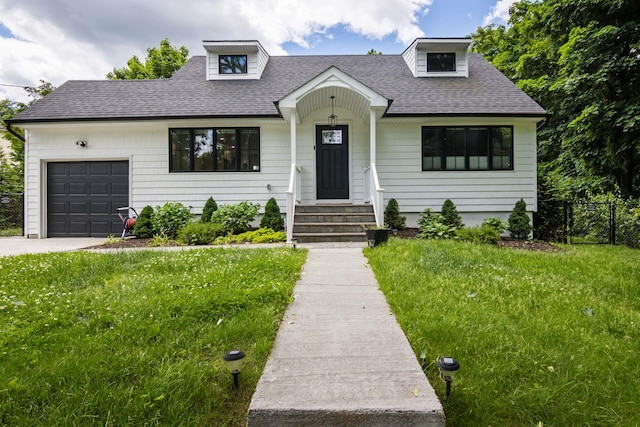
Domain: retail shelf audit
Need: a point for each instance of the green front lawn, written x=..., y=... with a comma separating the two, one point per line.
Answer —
x=543, y=338
x=137, y=338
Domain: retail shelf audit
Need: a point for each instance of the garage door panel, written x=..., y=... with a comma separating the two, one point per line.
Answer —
x=82, y=198
x=100, y=188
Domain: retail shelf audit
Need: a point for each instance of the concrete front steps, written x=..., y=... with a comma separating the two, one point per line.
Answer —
x=332, y=222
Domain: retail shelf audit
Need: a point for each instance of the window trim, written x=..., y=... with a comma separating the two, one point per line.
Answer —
x=431, y=54
x=232, y=73
x=192, y=159
x=467, y=128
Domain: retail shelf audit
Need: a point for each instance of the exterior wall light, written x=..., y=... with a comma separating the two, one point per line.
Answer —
x=234, y=364
x=447, y=367
x=81, y=143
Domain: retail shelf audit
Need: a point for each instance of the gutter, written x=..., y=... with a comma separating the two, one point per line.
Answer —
x=13, y=132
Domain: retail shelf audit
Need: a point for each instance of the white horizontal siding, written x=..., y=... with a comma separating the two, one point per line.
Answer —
x=146, y=146
x=462, y=64
x=401, y=176
x=254, y=67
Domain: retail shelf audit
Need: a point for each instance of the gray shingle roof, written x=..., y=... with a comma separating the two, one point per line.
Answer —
x=188, y=94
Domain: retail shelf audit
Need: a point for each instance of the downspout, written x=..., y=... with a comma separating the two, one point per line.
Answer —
x=13, y=132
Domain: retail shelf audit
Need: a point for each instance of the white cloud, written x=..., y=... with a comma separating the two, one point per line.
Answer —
x=60, y=40
x=499, y=13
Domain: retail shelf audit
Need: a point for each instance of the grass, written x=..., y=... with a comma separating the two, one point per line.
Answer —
x=544, y=339
x=11, y=231
x=137, y=338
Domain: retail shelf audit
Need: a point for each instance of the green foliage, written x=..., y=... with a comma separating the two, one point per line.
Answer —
x=373, y=52
x=170, y=218
x=431, y=226
x=580, y=61
x=138, y=336
x=237, y=218
x=545, y=324
x=199, y=233
x=496, y=223
x=519, y=222
x=161, y=62
x=392, y=217
x=144, y=224
x=272, y=218
x=451, y=215
x=261, y=235
x=210, y=206
x=478, y=234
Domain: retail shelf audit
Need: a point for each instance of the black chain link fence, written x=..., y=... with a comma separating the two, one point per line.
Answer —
x=11, y=214
x=588, y=222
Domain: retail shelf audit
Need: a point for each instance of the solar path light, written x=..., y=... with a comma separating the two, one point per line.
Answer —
x=447, y=367
x=234, y=364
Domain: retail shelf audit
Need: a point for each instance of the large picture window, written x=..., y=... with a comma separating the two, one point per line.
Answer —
x=467, y=148
x=214, y=150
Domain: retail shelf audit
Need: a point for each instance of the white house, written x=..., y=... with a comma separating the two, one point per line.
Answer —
x=434, y=123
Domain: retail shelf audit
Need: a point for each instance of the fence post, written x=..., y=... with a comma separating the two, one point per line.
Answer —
x=612, y=223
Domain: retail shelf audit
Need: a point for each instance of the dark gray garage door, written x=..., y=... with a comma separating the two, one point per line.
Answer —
x=82, y=198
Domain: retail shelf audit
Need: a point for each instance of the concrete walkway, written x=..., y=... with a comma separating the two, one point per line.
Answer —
x=22, y=245
x=340, y=357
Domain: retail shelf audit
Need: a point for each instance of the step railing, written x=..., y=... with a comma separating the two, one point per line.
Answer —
x=293, y=197
x=374, y=194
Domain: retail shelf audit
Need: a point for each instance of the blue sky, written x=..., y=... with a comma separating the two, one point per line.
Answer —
x=60, y=40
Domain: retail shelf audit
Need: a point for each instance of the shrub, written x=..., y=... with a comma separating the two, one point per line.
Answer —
x=210, y=206
x=200, y=233
x=478, y=234
x=261, y=235
x=431, y=225
x=392, y=216
x=451, y=215
x=496, y=223
x=519, y=221
x=272, y=217
x=236, y=218
x=144, y=226
x=170, y=218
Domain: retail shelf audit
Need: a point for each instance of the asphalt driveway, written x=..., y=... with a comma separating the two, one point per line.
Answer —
x=22, y=245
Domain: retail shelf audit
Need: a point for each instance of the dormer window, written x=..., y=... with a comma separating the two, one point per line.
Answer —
x=232, y=64
x=441, y=62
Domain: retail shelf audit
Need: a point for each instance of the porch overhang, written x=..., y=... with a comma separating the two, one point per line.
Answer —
x=349, y=94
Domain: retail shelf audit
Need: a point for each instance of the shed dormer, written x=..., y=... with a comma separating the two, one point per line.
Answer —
x=438, y=57
x=235, y=60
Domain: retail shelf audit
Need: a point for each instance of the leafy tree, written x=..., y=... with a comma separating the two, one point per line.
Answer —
x=373, y=52
x=272, y=217
x=13, y=167
x=160, y=62
x=579, y=59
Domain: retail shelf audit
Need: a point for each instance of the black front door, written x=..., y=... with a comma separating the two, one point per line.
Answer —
x=332, y=162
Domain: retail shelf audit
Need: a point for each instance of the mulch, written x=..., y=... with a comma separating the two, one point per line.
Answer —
x=408, y=233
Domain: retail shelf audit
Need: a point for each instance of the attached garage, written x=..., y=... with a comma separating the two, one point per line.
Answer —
x=82, y=198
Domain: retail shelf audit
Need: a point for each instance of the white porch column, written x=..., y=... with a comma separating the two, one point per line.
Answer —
x=294, y=119
x=372, y=136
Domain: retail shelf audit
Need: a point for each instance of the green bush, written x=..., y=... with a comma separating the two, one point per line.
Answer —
x=392, y=217
x=451, y=215
x=210, y=207
x=519, y=222
x=200, y=233
x=170, y=218
x=478, y=234
x=144, y=226
x=261, y=235
x=431, y=226
x=496, y=223
x=272, y=217
x=237, y=218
